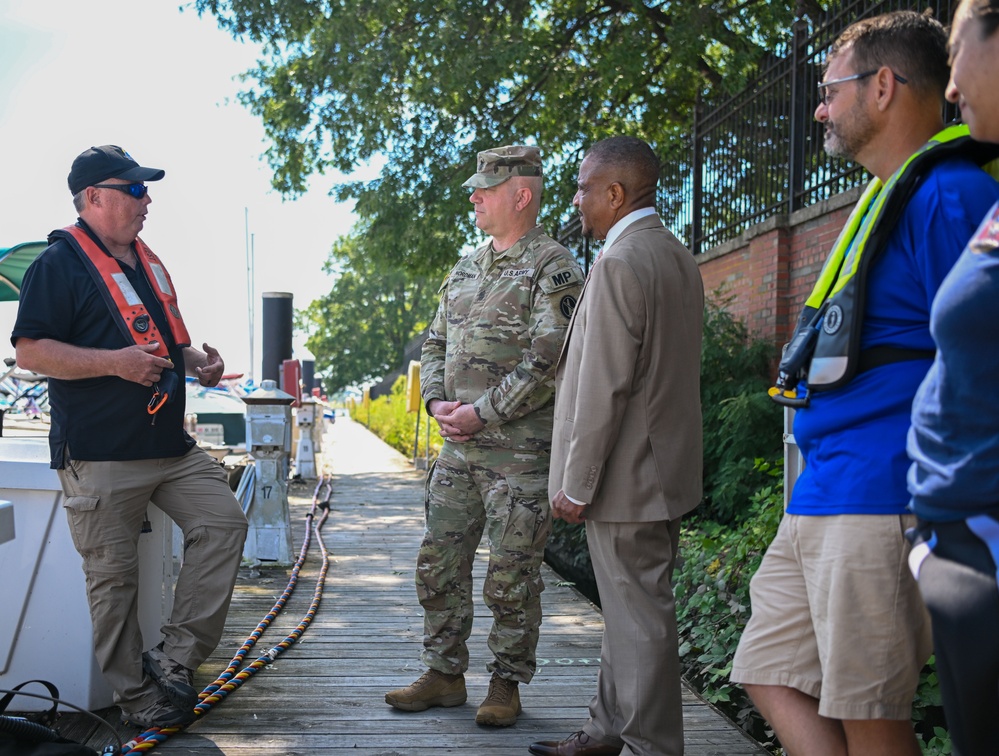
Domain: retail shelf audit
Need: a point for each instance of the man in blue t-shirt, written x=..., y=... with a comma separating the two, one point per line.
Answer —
x=99, y=316
x=838, y=634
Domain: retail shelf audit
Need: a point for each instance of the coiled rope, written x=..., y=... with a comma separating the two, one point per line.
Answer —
x=233, y=677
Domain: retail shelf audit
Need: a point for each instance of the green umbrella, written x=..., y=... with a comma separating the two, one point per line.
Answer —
x=13, y=262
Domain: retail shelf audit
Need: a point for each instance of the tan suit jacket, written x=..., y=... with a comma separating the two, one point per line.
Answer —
x=627, y=429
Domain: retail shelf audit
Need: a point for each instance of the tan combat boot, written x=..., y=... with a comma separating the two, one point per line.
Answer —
x=502, y=704
x=432, y=689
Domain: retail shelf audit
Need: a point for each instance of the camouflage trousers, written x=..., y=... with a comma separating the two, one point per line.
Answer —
x=503, y=493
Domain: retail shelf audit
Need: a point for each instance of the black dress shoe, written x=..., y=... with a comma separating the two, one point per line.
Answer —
x=577, y=744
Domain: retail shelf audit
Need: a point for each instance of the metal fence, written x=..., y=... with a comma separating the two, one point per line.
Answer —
x=759, y=153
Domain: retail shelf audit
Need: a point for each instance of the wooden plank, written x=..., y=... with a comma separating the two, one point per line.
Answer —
x=325, y=695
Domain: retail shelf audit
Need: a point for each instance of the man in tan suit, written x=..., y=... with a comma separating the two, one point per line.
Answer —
x=626, y=448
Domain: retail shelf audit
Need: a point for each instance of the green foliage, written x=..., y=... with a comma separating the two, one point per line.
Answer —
x=358, y=332
x=387, y=418
x=928, y=693
x=927, y=713
x=428, y=83
x=567, y=553
x=741, y=423
x=712, y=593
x=938, y=744
x=569, y=542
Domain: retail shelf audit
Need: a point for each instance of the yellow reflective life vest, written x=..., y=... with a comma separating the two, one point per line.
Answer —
x=841, y=286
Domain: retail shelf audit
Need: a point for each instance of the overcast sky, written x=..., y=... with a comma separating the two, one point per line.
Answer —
x=160, y=83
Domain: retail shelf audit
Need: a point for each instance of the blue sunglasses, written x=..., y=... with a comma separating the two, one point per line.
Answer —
x=136, y=190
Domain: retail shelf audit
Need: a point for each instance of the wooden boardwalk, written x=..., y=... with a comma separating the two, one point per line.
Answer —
x=325, y=695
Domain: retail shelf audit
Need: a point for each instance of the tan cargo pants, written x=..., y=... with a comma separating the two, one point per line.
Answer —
x=105, y=505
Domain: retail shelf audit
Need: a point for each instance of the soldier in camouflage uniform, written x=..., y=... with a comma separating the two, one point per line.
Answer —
x=487, y=378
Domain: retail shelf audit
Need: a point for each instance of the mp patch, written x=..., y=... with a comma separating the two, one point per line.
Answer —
x=563, y=278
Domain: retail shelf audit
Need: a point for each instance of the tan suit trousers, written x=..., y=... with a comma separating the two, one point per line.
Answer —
x=638, y=701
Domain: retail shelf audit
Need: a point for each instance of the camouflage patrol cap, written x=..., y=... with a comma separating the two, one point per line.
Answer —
x=499, y=164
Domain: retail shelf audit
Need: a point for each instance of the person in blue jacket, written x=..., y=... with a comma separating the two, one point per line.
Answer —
x=954, y=438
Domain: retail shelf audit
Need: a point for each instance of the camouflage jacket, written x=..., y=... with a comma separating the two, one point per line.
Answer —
x=497, y=336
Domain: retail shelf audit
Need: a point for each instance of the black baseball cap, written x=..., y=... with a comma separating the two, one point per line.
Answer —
x=107, y=161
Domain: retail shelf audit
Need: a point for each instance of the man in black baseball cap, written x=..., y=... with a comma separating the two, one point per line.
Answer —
x=107, y=161
x=98, y=314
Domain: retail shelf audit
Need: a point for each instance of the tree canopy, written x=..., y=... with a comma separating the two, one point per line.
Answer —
x=428, y=83
x=358, y=332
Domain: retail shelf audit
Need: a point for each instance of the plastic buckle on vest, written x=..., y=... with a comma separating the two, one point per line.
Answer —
x=790, y=398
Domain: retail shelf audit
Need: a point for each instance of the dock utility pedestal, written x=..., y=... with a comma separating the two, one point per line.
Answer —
x=306, y=419
x=268, y=442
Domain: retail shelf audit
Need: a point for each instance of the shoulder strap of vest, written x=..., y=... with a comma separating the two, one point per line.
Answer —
x=126, y=308
x=884, y=203
x=165, y=292
x=952, y=141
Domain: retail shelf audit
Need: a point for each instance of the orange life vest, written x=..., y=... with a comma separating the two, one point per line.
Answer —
x=127, y=309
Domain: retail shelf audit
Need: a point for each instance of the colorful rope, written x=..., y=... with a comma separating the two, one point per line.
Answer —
x=231, y=680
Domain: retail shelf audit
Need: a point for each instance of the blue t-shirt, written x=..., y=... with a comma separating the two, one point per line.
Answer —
x=954, y=440
x=102, y=418
x=853, y=438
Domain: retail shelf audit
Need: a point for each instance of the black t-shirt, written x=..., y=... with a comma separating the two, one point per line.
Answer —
x=97, y=418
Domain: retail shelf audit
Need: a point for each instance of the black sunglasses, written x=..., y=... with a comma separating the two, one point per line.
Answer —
x=136, y=190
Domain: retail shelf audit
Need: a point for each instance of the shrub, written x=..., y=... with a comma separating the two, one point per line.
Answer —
x=712, y=595
x=569, y=556
x=387, y=418
x=740, y=421
x=927, y=713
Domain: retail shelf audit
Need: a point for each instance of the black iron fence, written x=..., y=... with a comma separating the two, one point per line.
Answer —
x=759, y=153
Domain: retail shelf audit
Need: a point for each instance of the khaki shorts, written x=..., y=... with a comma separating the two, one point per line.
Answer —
x=837, y=615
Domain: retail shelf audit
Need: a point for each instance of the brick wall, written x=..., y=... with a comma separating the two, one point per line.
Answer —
x=767, y=273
